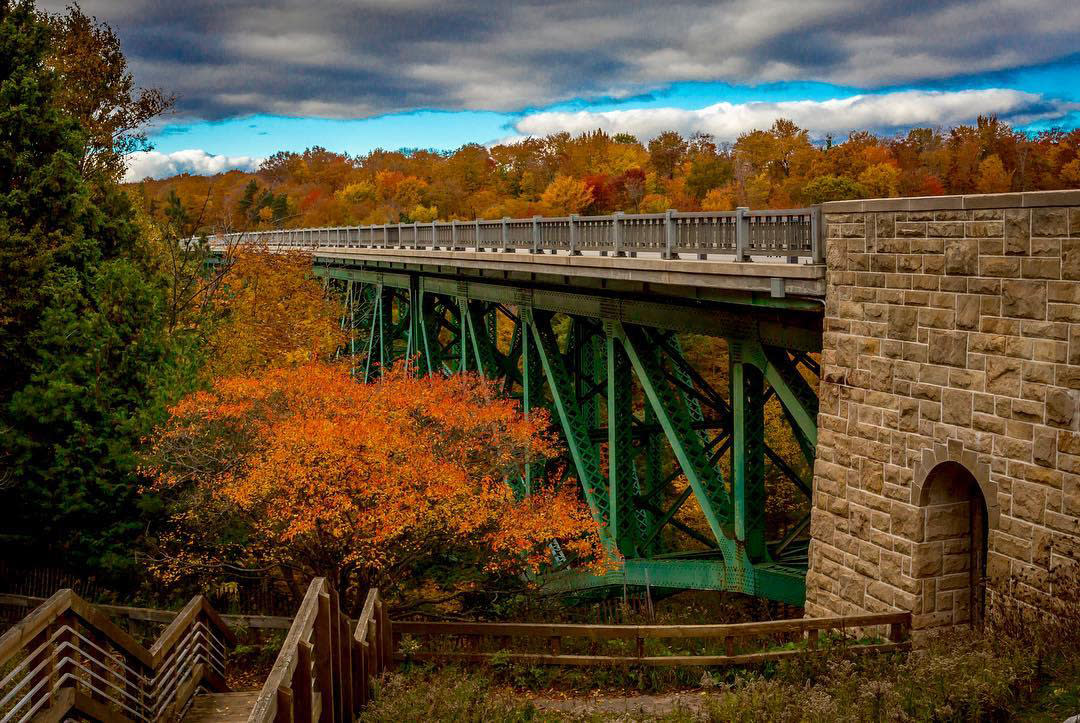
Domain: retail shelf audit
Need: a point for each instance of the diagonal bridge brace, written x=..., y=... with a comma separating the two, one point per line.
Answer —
x=675, y=419
x=575, y=427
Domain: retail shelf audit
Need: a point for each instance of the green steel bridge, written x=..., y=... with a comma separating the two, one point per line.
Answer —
x=593, y=318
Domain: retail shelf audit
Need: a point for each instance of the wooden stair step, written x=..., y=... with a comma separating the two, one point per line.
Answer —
x=224, y=707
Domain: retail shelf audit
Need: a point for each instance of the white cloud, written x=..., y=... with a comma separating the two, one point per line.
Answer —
x=884, y=111
x=155, y=164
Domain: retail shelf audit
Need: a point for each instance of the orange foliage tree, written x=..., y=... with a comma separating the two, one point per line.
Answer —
x=306, y=470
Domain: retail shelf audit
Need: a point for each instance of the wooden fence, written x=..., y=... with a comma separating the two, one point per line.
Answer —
x=485, y=642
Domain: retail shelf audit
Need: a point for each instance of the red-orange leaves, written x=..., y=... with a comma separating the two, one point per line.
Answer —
x=331, y=475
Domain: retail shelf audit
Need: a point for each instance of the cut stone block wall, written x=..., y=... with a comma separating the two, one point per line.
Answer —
x=951, y=352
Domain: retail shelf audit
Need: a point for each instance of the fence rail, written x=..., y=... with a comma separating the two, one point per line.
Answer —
x=470, y=638
x=794, y=234
x=67, y=655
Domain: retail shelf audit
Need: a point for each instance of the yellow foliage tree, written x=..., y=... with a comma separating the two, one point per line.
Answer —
x=567, y=195
x=881, y=180
x=423, y=214
x=992, y=176
x=275, y=313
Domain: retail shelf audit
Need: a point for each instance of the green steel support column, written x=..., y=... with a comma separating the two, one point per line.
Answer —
x=675, y=420
x=532, y=389
x=463, y=338
x=374, y=333
x=651, y=487
x=575, y=430
x=748, y=452
x=621, y=478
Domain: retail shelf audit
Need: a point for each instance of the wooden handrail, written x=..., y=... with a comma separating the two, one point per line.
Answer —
x=65, y=633
x=324, y=668
x=898, y=623
x=614, y=632
x=157, y=615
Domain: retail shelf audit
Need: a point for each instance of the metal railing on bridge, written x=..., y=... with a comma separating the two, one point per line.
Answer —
x=794, y=234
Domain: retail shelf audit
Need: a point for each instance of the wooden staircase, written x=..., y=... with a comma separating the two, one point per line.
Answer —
x=221, y=707
x=67, y=659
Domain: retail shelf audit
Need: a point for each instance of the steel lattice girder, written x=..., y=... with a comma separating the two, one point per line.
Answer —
x=612, y=344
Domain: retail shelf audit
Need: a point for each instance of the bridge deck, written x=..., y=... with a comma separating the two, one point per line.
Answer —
x=773, y=278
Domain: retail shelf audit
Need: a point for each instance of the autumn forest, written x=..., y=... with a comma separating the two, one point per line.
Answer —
x=595, y=173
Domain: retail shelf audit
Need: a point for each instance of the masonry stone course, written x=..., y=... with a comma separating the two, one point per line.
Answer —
x=951, y=340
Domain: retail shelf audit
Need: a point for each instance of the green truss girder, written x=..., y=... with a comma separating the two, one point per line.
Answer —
x=748, y=456
x=450, y=324
x=574, y=426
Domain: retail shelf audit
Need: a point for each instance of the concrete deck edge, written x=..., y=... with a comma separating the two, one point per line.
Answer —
x=600, y=265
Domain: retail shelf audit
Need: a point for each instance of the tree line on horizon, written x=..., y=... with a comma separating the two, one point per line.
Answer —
x=598, y=173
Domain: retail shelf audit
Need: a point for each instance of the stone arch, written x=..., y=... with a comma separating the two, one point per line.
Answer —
x=950, y=560
x=955, y=452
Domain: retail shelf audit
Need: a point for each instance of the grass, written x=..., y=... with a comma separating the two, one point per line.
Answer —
x=1025, y=665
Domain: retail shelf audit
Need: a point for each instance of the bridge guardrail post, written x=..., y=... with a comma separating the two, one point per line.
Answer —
x=506, y=235
x=574, y=235
x=400, y=236
x=617, y=233
x=434, y=236
x=453, y=236
x=817, y=235
x=535, y=236
x=742, y=233
x=477, y=244
x=415, y=235
x=669, y=235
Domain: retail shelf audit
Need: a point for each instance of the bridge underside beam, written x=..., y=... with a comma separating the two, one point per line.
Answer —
x=671, y=452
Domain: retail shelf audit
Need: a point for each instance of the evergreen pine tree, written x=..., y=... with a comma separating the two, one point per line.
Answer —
x=83, y=346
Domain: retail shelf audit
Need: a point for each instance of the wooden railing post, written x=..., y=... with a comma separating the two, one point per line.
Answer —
x=375, y=650
x=348, y=705
x=301, y=684
x=324, y=666
x=284, y=706
x=336, y=679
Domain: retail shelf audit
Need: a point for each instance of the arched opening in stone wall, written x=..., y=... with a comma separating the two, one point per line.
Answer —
x=951, y=559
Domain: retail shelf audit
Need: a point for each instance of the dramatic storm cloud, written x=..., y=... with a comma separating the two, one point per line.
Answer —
x=358, y=59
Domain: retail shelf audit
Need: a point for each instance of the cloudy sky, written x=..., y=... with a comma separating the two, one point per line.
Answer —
x=254, y=77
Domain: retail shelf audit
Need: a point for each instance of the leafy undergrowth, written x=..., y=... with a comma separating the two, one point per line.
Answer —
x=954, y=676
